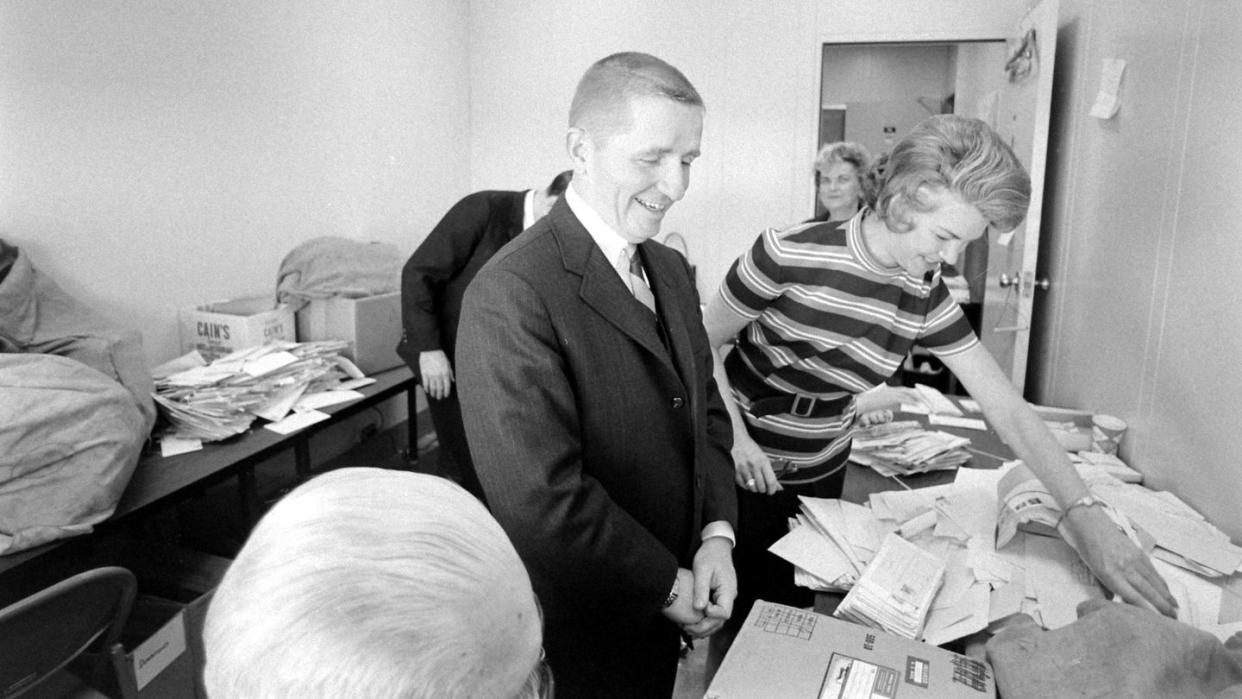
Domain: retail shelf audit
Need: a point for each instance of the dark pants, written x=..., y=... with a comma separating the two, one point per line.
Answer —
x=612, y=658
x=761, y=520
x=454, y=460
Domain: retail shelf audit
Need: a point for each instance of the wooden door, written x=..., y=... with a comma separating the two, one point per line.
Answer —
x=1022, y=113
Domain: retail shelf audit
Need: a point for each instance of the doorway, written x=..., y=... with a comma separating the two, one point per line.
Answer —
x=874, y=93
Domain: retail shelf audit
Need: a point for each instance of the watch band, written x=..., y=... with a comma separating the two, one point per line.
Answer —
x=672, y=595
x=1087, y=500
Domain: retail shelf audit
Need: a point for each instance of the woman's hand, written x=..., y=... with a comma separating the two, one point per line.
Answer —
x=1117, y=562
x=875, y=417
x=751, y=467
x=885, y=397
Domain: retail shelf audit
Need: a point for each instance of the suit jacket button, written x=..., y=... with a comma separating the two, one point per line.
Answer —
x=678, y=402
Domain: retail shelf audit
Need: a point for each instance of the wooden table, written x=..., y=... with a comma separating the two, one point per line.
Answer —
x=160, y=481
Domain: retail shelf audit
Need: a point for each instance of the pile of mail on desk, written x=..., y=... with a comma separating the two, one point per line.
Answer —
x=985, y=553
x=276, y=381
x=904, y=447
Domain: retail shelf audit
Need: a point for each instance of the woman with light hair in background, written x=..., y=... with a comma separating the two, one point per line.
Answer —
x=367, y=582
x=843, y=180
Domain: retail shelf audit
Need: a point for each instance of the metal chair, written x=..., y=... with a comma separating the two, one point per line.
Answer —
x=41, y=634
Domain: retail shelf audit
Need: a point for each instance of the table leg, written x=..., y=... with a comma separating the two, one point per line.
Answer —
x=301, y=458
x=247, y=490
x=411, y=426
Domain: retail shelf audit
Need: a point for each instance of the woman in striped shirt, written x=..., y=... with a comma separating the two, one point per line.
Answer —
x=820, y=312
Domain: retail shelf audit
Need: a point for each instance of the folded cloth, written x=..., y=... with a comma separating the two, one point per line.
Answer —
x=1114, y=650
x=330, y=266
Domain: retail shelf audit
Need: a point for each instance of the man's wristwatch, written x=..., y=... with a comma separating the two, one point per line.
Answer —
x=672, y=595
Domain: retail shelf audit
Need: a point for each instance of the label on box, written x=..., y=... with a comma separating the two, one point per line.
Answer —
x=158, y=651
x=217, y=329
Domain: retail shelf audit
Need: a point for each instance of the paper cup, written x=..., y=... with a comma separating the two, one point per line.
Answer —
x=1106, y=433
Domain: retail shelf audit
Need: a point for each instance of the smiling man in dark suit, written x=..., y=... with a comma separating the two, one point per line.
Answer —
x=593, y=418
x=433, y=282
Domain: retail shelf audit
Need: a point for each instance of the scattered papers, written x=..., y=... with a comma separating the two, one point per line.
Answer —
x=297, y=421
x=1025, y=504
x=1182, y=536
x=171, y=446
x=834, y=544
x=895, y=591
x=1089, y=463
x=816, y=556
x=323, y=399
x=937, y=402
x=1058, y=579
x=904, y=447
x=354, y=384
x=970, y=423
x=268, y=363
x=211, y=402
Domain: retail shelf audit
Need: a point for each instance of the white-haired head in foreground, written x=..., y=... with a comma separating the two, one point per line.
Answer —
x=376, y=583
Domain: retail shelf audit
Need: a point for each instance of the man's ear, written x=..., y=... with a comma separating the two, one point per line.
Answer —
x=578, y=144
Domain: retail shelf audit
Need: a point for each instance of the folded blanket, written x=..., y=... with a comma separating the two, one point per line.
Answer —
x=1114, y=650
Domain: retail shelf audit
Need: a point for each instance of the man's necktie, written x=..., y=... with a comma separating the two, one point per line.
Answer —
x=633, y=267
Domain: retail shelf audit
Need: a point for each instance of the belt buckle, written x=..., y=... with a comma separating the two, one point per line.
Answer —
x=800, y=400
x=783, y=467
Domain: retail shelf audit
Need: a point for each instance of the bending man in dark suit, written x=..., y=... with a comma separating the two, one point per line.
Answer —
x=433, y=282
x=595, y=424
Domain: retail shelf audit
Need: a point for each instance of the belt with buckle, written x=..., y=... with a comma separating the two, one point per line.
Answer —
x=777, y=402
x=800, y=405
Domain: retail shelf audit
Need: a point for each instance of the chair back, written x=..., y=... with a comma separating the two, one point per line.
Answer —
x=42, y=633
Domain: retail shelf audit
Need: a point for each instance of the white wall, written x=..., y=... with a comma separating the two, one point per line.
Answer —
x=886, y=87
x=1141, y=319
x=157, y=154
x=977, y=78
x=755, y=63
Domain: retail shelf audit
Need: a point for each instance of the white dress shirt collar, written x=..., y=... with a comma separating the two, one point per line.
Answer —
x=528, y=209
x=608, y=240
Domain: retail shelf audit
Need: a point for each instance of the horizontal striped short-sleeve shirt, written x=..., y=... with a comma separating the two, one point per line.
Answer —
x=827, y=321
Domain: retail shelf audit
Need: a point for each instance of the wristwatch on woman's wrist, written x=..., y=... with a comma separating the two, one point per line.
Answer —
x=1087, y=500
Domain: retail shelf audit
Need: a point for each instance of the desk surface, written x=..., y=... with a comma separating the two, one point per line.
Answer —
x=157, y=479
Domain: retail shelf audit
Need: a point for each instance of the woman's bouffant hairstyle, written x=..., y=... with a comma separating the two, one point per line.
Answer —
x=962, y=155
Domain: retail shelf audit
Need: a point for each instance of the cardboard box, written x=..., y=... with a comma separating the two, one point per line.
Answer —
x=218, y=328
x=787, y=652
x=165, y=659
x=372, y=326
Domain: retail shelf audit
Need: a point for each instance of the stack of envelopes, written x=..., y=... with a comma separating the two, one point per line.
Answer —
x=905, y=447
x=218, y=400
x=896, y=589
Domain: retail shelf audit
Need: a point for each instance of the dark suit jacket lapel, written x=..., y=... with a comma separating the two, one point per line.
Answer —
x=602, y=288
